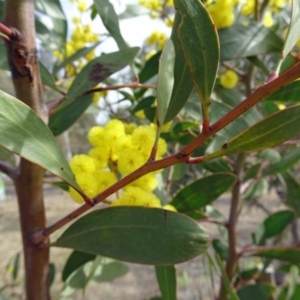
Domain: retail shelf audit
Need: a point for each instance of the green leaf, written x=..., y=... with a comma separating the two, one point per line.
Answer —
x=284, y=294
x=197, y=32
x=288, y=93
x=203, y=191
x=166, y=278
x=216, y=165
x=252, y=172
x=47, y=78
x=98, y=70
x=24, y=133
x=67, y=116
x=240, y=41
x=260, y=64
x=286, y=162
x=75, y=260
x=273, y=225
x=261, y=291
x=292, y=192
x=283, y=253
x=136, y=234
x=144, y=103
x=150, y=68
x=110, y=20
x=51, y=274
x=293, y=32
x=221, y=249
x=165, y=81
x=183, y=84
x=269, y=132
x=16, y=266
x=256, y=189
x=270, y=155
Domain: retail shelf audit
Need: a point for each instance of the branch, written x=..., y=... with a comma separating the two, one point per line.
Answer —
x=182, y=156
x=7, y=170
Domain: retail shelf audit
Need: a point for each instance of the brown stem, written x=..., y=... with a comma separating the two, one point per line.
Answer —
x=233, y=217
x=22, y=57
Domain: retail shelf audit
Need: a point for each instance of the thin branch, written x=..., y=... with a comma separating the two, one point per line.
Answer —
x=6, y=30
x=182, y=156
x=8, y=170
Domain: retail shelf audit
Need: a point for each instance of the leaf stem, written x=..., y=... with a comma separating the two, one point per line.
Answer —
x=8, y=170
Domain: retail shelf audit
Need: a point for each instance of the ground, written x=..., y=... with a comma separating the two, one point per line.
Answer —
x=139, y=283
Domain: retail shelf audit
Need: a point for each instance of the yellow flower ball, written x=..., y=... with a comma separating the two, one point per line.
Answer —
x=81, y=6
x=104, y=179
x=268, y=19
x=82, y=163
x=101, y=155
x=95, y=136
x=130, y=127
x=130, y=160
x=229, y=79
x=143, y=137
x=75, y=196
x=88, y=184
x=147, y=182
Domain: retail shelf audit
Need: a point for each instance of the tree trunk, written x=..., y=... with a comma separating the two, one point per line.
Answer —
x=22, y=57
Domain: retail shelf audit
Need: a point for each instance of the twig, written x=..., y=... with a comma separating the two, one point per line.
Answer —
x=6, y=30
x=8, y=170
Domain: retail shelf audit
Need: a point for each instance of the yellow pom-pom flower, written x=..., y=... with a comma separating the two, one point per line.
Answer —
x=95, y=136
x=268, y=19
x=229, y=79
x=81, y=6
x=130, y=160
x=147, y=182
x=143, y=137
x=82, y=163
x=104, y=179
x=129, y=127
x=75, y=195
x=101, y=155
x=88, y=184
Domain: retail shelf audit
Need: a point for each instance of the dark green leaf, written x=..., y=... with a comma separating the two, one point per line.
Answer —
x=240, y=41
x=51, y=274
x=150, y=69
x=216, y=165
x=286, y=162
x=136, y=234
x=75, y=260
x=261, y=291
x=292, y=192
x=67, y=116
x=16, y=267
x=183, y=84
x=220, y=248
x=62, y=185
x=166, y=278
x=144, y=103
x=110, y=20
x=165, y=81
x=197, y=31
x=273, y=225
x=284, y=253
x=271, y=131
x=24, y=133
x=252, y=172
x=203, y=191
x=288, y=93
x=260, y=64
x=98, y=70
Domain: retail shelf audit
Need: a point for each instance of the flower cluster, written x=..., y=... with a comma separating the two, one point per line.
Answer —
x=156, y=7
x=118, y=149
x=222, y=12
x=81, y=37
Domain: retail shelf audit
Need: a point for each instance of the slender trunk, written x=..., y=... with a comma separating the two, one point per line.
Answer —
x=233, y=218
x=22, y=56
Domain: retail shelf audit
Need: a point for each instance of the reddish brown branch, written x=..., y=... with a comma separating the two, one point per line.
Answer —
x=7, y=170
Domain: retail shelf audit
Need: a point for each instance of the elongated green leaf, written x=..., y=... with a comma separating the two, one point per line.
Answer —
x=284, y=294
x=24, y=133
x=197, y=32
x=221, y=248
x=239, y=41
x=51, y=274
x=203, y=191
x=68, y=115
x=75, y=260
x=47, y=78
x=256, y=189
x=270, y=155
x=136, y=234
x=260, y=64
x=166, y=278
x=165, y=81
x=79, y=54
x=183, y=84
x=292, y=192
x=110, y=20
x=286, y=162
x=269, y=132
x=261, y=291
x=150, y=69
x=98, y=70
x=289, y=93
x=273, y=225
x=284, y=253
x=293, y=32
